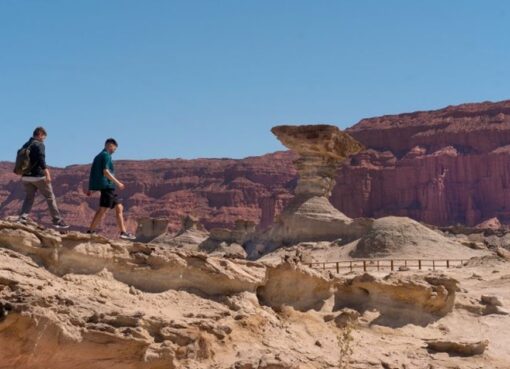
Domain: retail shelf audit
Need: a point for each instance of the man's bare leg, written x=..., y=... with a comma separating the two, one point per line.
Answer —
x=98, y=216
x=119, y=213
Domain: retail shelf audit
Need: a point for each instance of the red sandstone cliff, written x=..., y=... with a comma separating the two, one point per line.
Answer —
x=443, y=167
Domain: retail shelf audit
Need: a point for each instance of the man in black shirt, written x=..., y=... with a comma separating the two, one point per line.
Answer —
x=39, y=178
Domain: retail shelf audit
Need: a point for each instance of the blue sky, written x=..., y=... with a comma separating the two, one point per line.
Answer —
x=210, y=78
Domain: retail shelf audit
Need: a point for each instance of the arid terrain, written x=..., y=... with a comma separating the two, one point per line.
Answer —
x=314, y=289
x=81, y=301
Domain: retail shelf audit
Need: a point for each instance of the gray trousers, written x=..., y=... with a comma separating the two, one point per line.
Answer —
x=47, y=191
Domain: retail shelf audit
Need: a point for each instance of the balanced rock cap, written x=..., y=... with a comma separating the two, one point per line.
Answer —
x=318, y=140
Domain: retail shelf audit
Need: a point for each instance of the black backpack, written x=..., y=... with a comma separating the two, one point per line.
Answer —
x=22, y=165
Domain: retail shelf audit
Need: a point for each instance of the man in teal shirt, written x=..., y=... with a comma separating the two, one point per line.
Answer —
x=102, y=178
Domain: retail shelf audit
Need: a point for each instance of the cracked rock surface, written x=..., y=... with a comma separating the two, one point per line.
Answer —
x=79, y=301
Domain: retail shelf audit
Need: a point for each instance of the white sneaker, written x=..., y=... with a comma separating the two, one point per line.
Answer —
x=23, y=219
x=127, y=236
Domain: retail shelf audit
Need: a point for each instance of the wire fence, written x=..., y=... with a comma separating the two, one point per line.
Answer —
x=387, y=264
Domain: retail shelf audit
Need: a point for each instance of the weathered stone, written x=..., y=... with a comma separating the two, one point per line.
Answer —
x=492, y=223
x=462, y=348
x=400, y=300
x=150, y=228
x=401, y=236
x=346, y=317
x=309, y=216
x=491, y=300
x=321, y=149
x=190, y=237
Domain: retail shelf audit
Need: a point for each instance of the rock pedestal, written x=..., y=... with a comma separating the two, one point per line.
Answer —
x=321, y=149
x=310, y=216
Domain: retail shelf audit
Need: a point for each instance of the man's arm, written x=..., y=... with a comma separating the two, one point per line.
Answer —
x=112, y=178
x=47, y=175
x=42, y=162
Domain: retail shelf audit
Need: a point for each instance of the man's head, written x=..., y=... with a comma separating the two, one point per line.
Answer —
x=110, y=145
x=40, y=134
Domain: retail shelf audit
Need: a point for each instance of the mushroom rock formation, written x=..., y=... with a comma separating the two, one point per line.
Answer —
x=321, y=148
x=310, y=216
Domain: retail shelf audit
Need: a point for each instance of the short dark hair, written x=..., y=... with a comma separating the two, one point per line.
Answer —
x=111, y=141
x=38, y=131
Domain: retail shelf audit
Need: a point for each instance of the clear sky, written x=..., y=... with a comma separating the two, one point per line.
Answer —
x=210, y=78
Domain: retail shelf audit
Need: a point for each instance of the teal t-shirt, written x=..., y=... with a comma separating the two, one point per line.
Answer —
x=97, y=180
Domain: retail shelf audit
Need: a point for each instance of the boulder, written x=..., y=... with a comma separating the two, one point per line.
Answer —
x=400, y=299
x=492, y=223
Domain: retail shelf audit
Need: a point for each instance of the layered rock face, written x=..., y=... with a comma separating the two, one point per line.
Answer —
x=442, y=167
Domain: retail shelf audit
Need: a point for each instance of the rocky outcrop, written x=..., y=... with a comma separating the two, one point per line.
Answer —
x=219, y=242
x=309, y=216
x=281, y=289
x=400, y=237
x=150, y=228
x=191, y=235
x=400, y=300
x=321, y=149
x=71, y=299
x=148, y=267
x=492, y=223
x=85, y=321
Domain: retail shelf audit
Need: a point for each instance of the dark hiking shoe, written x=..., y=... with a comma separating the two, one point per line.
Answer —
x=127, y=236
x=91, y=232
x=60, y=224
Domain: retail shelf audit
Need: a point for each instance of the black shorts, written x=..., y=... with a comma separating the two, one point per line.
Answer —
x=109, y=199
